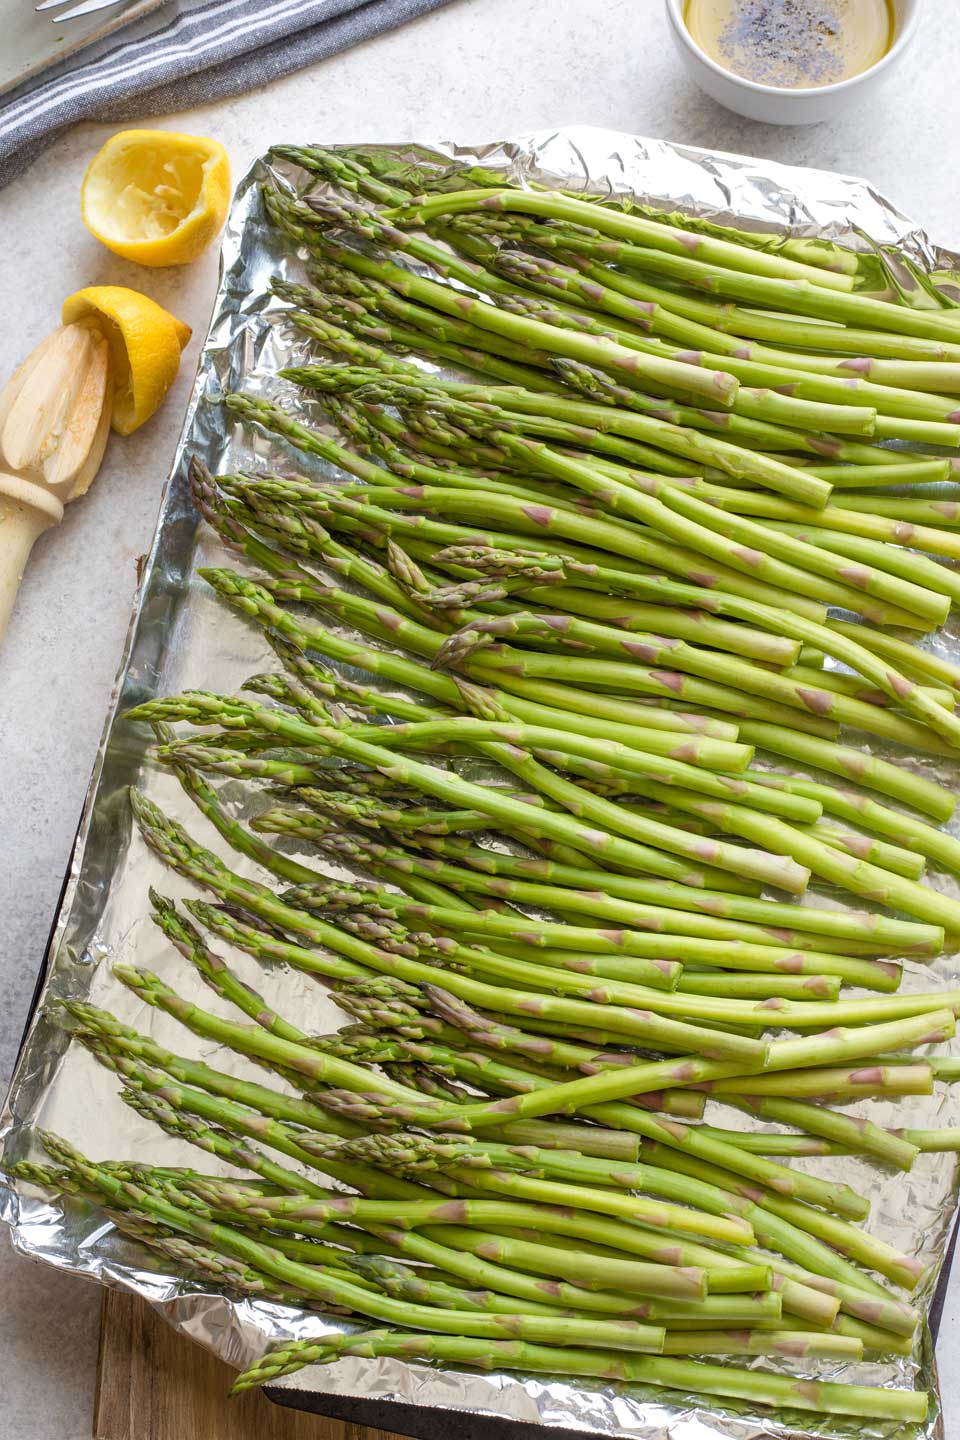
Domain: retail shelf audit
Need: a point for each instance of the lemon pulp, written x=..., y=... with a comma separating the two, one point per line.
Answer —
x=795, y=44
x=147, y=194
x=157, y=196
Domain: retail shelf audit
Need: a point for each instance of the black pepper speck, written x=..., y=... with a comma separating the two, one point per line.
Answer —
x=786, y=42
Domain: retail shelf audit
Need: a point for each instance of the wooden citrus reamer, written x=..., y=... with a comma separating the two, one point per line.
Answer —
x=54, y=423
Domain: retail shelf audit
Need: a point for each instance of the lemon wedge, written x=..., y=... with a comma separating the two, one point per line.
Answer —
x=156, y=196
x=145, y=343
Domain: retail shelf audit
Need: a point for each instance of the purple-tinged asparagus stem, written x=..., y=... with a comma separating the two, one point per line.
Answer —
x=682, y=1375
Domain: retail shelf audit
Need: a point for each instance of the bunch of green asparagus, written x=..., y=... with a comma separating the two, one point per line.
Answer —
x=571, y=649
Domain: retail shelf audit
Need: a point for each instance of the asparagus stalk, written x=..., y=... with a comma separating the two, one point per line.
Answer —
x=107, y=1034
x=709, y=273
x=693, y=528
x=523, y=1169
x=618, y=540
x=610, y=1086
x=866, y=813
x=838, y=1198
x=436, y=1062
x=912, y=659
x=550, y=278
x=173, y=844
x=483, y=637
x=403, y=1282
x=154, y=1104
x=893, y=471
x=666, y=239
x=839, y=1234
x=629, y=756
x=703, y=448
x=851, y=928
x=868, y=349
x=679, y=1285
x=719, y=388
x=505, y=665
x=207, y=709
x=868, y=522
x=858, y=876
x=837, y=759
x=765, y=368
x=945, y=1139
x=588, y=942
x=819, y=1120
x=110, y=1036
x=837, y=1083
x=656, y=1029
x=546, y=888
x=659, y=1214
x=327, y=1285
x=789, y=1343
x=909, y=565
x=257, y=603
x=217, y=973
x=682, y=1375
x=835, y=1045
x=866, y=770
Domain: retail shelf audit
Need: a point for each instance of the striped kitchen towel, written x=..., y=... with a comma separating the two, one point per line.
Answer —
x=200, y=50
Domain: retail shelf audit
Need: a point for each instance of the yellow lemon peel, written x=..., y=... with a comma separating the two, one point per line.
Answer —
x=145, y=343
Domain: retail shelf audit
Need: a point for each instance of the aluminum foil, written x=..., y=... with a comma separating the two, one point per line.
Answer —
x=180, y=636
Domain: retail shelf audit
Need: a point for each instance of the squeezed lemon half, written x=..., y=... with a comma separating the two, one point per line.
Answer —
x=157, y=196
x=145, y=343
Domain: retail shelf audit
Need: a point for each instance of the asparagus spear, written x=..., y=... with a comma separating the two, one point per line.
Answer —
x=685, y=1376
x=483, y=637
x=173, y=844
x=404, y=1282
x=558, y=206
x=206, y=709
x=837, y=1083
x=328, y=1285
x=622, y=1280
x=792, y=572
x=854, y=764
x=720, y=388
x=929, y=364
x=851, y=518
x=520, y=1077
x=858, y=876
x=839, y=1234
x=617, y=540
x=790, y=294
x=783, y=1055
x=819, y=1120
x=593, y=895
x=866, y=813
x=609, y=722
x=587, y=943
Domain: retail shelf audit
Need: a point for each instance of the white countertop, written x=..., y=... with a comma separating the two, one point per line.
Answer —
x=476, y=69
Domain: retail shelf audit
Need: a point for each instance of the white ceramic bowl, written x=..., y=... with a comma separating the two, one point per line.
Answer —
x=773, y=104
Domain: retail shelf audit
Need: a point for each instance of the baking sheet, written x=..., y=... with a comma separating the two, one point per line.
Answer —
x=182, y=637
x=34, y=42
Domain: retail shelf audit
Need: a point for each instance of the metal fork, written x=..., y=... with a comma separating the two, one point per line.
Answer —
x=85, y=7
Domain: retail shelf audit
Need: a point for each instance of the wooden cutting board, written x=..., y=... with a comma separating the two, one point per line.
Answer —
x=154, y=1384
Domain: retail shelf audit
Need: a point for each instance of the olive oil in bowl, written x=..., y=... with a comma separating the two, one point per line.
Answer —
x=792, y=44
